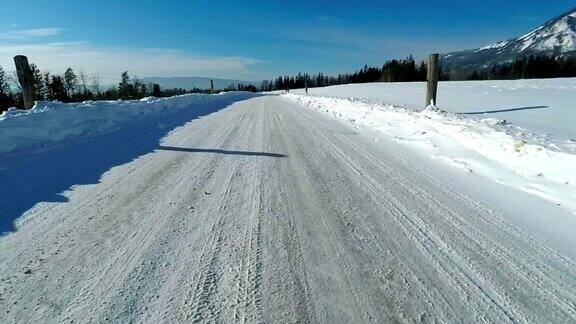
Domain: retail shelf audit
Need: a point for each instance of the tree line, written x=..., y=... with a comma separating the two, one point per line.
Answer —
x=405, y=70
x=78, y=87
x=73, y=87
x=532, y=67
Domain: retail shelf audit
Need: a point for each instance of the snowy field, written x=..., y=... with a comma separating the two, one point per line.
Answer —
x=518, y=133
x=543, y=107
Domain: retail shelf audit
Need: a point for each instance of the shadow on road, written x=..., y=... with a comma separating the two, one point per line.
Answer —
x=45, y=172
x=502, y=110
x=214, y=151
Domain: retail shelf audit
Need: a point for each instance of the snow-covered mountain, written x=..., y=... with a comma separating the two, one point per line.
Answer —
x=556, y=37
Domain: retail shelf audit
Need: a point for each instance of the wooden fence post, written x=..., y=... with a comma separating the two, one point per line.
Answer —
x=212, y=86
x=26, y=80
x=432, y=89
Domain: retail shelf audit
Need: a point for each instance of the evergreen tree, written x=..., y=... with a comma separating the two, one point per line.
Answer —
x=493, y=73
x=38, y=82
x=4, y=87
x=474, y=76
x=156, y=91
x=58, y=89
x=47, y=89
x=422, y=72
x=125, y=88
x=6, y=96
x=528, y=68
x=320, y=80
x=70, y=82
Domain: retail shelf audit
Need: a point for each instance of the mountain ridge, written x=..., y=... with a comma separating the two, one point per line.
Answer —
x=556, y=37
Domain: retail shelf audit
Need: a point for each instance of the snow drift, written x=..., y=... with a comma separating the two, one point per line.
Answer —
x=543, y=107
x=52, y=122
x=488, y=147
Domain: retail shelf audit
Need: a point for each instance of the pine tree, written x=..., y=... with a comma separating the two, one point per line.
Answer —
x=474, y=76
x=4, y=88
x=493, y=72
x=38, y=82
x=422, y=72
x=156, y=91
x=143, y=90
x=58, y=89
x=125, y=87
x=70, y=82
x=6, y=96
x=47, y=90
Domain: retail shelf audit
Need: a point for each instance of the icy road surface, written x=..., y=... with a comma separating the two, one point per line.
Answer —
x=268, y=211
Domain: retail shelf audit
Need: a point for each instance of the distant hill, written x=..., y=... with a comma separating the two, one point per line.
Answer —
x=556, y=37
x=195, y=82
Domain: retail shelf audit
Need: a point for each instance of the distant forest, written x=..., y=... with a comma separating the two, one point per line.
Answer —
x=405, y=70
x=533, y=67
x=72, y=87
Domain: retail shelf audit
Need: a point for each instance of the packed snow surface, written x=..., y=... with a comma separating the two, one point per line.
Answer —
x=493, y=140
x=264, y=211
x=38, y=145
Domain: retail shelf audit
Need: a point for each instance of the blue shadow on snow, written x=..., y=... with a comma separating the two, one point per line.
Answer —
x=501, y=110
x=43, y=173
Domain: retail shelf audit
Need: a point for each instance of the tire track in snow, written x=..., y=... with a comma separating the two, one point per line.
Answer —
x=420, y=227
x=207, y=280
x=339, y=231
x=286, y=293
x=248, y=297
x=414, y=228
x=300, y=168
x=155, y=236
x=490, y=250
x=211, y=306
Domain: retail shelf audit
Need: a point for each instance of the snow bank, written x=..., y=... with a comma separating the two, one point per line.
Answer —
x=544, y=107
x=50, y=122
x=487, y=147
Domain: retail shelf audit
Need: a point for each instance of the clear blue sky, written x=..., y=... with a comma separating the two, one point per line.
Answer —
x=253, y=39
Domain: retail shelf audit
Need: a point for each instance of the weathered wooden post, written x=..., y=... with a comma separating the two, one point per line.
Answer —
x=212, y=86
x=26, y=80
x=432, y=90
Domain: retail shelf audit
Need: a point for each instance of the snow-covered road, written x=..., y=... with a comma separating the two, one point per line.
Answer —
x=269, y=211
